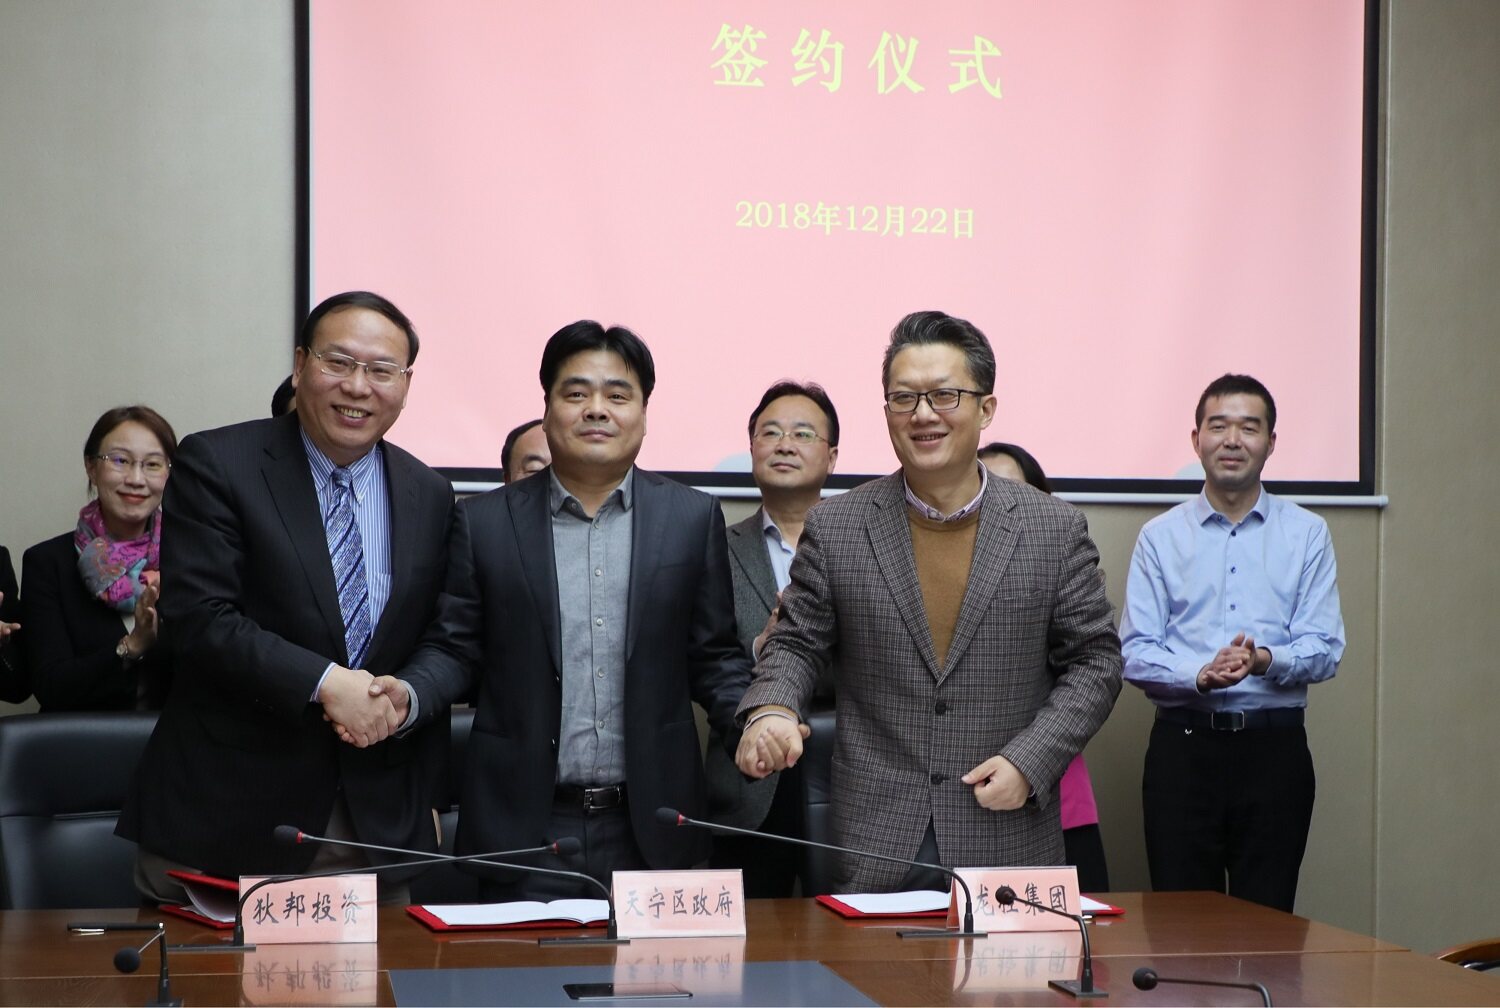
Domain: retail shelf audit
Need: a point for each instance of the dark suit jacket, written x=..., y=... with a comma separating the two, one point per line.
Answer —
x=249, y=610
x=500, y=621
x=1031, y=673
x=14, y=686
x=70, y=638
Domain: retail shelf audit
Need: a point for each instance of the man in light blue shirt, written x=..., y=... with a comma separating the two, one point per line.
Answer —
x=1231, y=611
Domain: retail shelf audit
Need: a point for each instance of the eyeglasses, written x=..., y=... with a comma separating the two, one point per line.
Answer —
x=339, y=365
x=799, y=435
x=941, y=400
x=154, y=465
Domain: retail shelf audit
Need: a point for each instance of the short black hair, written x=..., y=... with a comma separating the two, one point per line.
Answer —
x=510, y=445
x=1031, y=469
x=811, y=390
x=1236, y=384
x=359, y=299
x=283, y=400
x=585, y=335
x=937, y=327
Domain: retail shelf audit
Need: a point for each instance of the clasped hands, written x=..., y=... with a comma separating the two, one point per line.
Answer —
x=363, y=709
x=774, y=743
x=1234, y=662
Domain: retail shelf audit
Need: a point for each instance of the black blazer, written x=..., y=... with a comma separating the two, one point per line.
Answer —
x=251, y=616
x=14, y=686
x=500, y=619
x=70, y=637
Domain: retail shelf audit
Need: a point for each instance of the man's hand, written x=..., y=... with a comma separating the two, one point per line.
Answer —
x=770, y=744
x=1229, y=666
x=361, y=719
x=998, y=785
x=759, y=644
x=398, y=692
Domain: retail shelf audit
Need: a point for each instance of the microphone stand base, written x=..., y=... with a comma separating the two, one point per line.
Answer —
x=1075, y=988
x=213, y=947
x=940, y=933
x=583, y=940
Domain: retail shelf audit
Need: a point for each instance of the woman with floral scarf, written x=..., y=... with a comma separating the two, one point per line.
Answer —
x=88, y=597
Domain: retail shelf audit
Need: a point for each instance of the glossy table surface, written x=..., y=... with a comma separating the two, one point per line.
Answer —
x=1187, y=935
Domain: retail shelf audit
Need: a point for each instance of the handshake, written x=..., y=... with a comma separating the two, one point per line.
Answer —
x=363, y=709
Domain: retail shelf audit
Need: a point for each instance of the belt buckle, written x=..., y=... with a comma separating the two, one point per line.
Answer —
x=601, y=798
x=1232, y=720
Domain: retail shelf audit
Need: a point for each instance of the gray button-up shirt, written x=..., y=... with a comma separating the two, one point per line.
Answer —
x=592, y=557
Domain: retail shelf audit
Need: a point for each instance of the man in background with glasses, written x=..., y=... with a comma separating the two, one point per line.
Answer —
x=976, y=655
x=794, y=444
x=301, y=557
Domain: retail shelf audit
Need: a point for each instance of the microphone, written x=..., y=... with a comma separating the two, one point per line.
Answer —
x=1083, y=987
x=128, y=960
x=671, y=817
x=288, y=836
x=563, y=845
x=1146, y=979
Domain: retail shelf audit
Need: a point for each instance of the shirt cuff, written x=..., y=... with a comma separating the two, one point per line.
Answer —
x=319, y=687
x=413, y=709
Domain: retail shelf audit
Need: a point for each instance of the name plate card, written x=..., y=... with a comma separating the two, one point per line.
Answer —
x=674, y=904
x=337, y=908
x=1056, y=887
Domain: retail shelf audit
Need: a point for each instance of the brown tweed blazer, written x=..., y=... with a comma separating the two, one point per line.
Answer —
x=1031, y=674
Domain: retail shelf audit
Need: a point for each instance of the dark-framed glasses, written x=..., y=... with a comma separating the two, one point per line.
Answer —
x=151, y=465
x=337, y=365
x=941, y=400
x=799, y=436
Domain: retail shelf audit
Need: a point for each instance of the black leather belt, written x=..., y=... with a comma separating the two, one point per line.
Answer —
x=1276, y=717
x=592, y=799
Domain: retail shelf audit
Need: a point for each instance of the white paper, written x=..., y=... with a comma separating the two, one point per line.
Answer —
x=489, y=914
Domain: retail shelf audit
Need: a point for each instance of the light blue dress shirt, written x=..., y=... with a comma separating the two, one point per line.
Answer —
x=1197, y=580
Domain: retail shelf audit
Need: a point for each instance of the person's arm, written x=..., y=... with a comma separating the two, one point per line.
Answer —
x=206, y=600
x=1149, y=663
x=1084, y=655
x=795, y=654
x=721, y=669
x=441, y=671
x=1317, y=624
x=70, y=669
x=14, y=684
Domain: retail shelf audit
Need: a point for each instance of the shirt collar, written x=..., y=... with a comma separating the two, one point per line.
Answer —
x=928, y=511
x=1203, y=510
x=558, y=495
x=360, y=471
x=771, y=530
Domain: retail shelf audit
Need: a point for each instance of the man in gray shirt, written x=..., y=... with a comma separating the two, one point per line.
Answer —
x=593, y=603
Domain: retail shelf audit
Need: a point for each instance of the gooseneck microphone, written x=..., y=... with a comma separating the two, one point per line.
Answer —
x=290, y=835
x=563, y=846
x=1146, y=979
x=1083, y=987
x=128, y=960
x=671, y=817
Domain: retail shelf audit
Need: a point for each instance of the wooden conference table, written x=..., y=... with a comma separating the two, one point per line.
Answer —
x=1190, y=935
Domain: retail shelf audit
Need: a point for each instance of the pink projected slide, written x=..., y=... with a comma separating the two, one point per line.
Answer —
x=1128, y=198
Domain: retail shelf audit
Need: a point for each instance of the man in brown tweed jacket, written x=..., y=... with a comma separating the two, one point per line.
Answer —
x=976, y=654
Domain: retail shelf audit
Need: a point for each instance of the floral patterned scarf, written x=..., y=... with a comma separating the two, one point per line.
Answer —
x=112, y=569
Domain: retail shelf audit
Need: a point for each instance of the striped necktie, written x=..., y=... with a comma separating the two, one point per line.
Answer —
x=347, y=552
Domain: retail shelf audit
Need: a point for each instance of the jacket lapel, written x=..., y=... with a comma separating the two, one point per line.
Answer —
x=401, y=499
x=289, y=479
x=648, y=528
x=747, y=545
x=890, y=541
x=993, y=547
x=531, y=520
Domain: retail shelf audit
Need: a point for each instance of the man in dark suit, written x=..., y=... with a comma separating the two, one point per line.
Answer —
x=976, y=654
x=794, y=445
x=593, y=602
x=299, y=556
